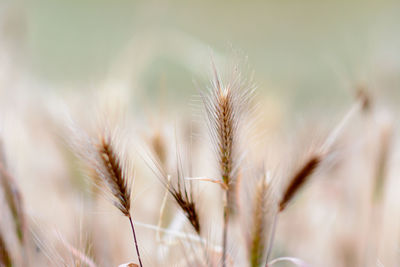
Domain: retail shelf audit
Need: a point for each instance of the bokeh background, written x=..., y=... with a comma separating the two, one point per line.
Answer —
x=151, y=57
x=304, y=52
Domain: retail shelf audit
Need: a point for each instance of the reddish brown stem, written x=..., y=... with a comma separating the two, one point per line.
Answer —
x=136, y=244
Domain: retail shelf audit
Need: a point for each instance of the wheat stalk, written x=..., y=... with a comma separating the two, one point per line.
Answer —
x=181, y=189
x=299, y=179
x=301, y=176
x=224, y=104
x=263, y=211
x=114, y=173
x=81, y=257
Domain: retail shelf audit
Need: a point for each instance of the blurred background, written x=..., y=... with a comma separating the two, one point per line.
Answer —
x=306, y=52
x=307, y=58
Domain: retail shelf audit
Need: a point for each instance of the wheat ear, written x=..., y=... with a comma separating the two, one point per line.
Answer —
x=299, y=179
x=224, y=104
x=114, y=174
x=179, y=188
x=263, y=211
x=301, y=176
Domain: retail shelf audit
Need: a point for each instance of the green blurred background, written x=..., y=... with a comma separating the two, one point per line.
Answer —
x=306, y=53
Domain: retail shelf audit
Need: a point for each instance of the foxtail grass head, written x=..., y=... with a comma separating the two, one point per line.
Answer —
x=180, y=188
x=226, y=102
x=114, y=173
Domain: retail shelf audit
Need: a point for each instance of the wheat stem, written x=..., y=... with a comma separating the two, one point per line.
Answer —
x=225, y=229
x=136, y=243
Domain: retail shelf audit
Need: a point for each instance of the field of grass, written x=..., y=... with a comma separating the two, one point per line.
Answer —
x=173, y=133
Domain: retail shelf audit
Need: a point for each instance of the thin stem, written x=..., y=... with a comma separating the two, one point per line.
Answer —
x=225, y=230
x=136, y=244
x=271, y=238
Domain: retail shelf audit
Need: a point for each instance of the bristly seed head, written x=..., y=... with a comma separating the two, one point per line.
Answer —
x=225, y=104
x=263, y=211
x=113, y=173
x=188, y=207
x=183, y=194
x=299, y=179
x=180, y=190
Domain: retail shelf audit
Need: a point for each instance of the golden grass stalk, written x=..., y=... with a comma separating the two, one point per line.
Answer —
x=159, y=149
x=115, y=177
x=114, y=174
x=263, y=208
x=180, y=189
x=5, y=256
x=299, y=179
x=185, y=201
x=224, y=105
x=162, y=211
x=301, y=176
x=81, y=258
